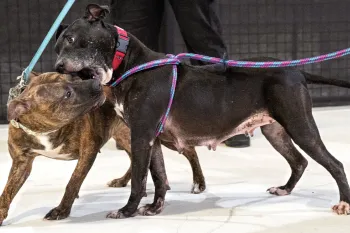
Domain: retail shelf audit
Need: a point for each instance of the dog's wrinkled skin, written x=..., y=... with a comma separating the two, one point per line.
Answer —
x=208, y=108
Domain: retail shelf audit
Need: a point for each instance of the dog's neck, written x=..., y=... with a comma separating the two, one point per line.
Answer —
x=137, y=54
x=35, y=124
x=18, y=125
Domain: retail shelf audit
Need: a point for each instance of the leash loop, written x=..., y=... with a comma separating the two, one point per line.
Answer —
x=176, y=60
x=267, y=64
x=172, y=93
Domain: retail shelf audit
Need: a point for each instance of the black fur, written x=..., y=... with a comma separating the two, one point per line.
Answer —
x=210, y=105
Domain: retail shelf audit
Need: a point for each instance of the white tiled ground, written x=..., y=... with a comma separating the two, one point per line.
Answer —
x=235, y=199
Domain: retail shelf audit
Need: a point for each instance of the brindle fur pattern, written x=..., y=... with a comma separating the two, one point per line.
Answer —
x=43, y=107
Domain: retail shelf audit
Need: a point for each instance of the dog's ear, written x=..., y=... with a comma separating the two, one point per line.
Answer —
x=33, y=74
x=17, y=108
x=60, y=29
x=96, y=12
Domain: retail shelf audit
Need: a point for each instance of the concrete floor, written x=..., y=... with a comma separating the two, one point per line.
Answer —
x=235, y=199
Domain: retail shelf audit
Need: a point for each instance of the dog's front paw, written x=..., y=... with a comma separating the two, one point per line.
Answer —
x=152, y=209
x=342, y=208
x=278, y=191
x=120, y=214
x=117, y=183
x=57, y=214
x=198, y=188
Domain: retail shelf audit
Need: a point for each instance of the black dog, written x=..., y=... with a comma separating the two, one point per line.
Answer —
x=209, y=107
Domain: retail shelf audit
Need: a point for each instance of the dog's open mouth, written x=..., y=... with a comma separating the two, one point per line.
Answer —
x=89, y=73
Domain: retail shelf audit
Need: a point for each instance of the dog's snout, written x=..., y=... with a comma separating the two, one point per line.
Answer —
x=96, y=85
x=59, y=66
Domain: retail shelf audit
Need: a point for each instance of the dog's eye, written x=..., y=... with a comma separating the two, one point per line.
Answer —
x=70, y=39
x=68, y=94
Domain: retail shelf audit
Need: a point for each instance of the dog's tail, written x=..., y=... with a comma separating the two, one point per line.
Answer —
x=317, y=79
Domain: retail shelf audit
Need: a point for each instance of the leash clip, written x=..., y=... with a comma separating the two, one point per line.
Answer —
x=18, y=89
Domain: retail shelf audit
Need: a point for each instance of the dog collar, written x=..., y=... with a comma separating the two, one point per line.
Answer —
x=122, y=46
x=18, y=125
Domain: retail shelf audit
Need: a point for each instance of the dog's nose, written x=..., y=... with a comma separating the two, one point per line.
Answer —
x=59, y=66
x=96, y=85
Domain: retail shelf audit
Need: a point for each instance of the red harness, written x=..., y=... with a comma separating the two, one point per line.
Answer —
x=122, y=46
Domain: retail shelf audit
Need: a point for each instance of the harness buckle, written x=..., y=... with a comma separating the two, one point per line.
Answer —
x=122, y=44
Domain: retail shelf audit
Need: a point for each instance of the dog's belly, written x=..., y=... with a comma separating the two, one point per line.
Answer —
x=249, y=125
x=50, y=152
x=182, y=139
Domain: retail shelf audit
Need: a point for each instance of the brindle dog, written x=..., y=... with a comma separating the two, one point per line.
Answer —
x=62, y=117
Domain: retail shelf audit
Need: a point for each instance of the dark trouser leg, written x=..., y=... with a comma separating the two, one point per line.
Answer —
x=199, y=26
x=202, y=33
x=238, y=141
x=142, y=18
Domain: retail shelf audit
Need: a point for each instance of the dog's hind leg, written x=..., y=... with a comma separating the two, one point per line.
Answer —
x=292, y=108
x=142, y=142
x=123, y=138
x=190, y=153
x=282, y=142
x=20, y=171
x=124, y=180
x=198, y=178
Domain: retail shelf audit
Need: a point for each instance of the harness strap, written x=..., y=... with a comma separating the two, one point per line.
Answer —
x=176, y=60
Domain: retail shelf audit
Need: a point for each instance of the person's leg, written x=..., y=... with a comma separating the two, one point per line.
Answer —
x=199, y=26
x=142, y=18
x=202, y=33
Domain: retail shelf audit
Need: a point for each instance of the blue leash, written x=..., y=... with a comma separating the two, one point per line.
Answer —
x=47, y=39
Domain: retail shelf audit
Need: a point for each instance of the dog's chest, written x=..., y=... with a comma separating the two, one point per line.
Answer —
x=119, y=108
x=50, y=151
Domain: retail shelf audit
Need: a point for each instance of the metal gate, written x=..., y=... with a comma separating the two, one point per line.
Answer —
x=287, y=29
